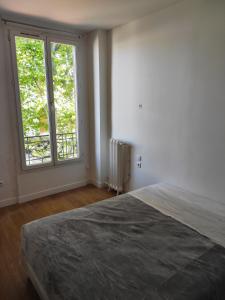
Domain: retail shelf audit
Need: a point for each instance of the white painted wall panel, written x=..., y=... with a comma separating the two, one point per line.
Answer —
x=97, y=72
x=173, y=62
x=7, y=154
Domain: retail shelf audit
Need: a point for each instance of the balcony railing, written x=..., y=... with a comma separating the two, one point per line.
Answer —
x=38, y=148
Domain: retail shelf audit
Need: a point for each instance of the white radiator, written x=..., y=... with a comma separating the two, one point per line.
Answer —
x=119, y=165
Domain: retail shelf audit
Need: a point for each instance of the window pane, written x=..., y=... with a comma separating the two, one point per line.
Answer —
x=65, y=99
x=30, y=57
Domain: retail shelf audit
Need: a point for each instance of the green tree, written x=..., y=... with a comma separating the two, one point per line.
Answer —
x=64, y=88
x=30, y=55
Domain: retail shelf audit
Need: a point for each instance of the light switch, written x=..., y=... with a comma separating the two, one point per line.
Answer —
x=139, y=158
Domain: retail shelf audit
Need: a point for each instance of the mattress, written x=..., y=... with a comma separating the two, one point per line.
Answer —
x=205, y=215
x=134, y=246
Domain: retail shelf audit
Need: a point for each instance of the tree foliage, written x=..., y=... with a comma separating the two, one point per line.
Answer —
x=31, y=65
x=63, y=82
x=33, y=91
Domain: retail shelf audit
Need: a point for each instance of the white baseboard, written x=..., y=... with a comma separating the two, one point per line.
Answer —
x=51, y=191
x=8, y=201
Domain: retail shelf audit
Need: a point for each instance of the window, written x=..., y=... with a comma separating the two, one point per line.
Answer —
x=47, y=93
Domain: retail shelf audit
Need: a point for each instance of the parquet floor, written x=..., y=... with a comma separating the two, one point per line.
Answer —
x=13, y=280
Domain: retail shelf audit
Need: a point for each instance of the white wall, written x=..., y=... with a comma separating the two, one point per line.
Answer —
x=25, y=185
x=8, y=190
x=173, y=63
x=97, y=66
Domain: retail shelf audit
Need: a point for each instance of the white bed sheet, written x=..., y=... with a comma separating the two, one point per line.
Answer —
x=200, y=213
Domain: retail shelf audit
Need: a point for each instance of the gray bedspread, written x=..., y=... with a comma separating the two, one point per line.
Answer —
x=122, y=248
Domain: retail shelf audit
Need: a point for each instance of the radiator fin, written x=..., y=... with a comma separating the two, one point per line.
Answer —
x=119, y=162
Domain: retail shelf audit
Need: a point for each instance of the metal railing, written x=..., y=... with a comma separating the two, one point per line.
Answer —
x=66, y=145
x=38, y=147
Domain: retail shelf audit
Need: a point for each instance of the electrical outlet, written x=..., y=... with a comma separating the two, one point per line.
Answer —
x=139, y=164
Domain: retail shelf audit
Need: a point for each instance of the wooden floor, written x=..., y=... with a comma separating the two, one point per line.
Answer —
x=13, y=281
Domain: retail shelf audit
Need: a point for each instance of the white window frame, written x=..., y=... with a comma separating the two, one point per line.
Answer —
x=47, y=37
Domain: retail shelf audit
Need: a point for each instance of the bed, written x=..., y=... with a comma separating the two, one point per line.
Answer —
x=158, y=242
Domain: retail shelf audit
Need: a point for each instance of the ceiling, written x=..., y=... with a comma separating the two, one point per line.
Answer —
x=84, y=14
